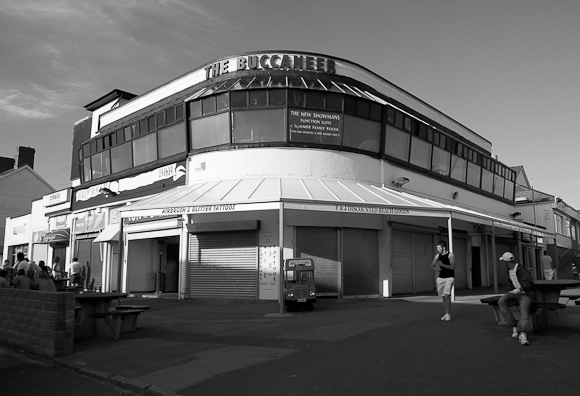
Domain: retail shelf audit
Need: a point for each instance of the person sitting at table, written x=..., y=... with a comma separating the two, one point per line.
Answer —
x=3, y=279
x=520, y=289
x=574, y=271
x=44, y=283
x=21, y=281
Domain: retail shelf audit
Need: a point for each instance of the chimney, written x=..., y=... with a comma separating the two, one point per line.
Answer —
x=6, y=164
x=24, y=156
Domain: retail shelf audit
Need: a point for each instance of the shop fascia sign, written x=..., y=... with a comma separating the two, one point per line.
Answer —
x=173, y=171
x=56, y=198
x=270, y=61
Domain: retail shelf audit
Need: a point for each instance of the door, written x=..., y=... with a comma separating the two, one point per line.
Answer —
x=321, y=244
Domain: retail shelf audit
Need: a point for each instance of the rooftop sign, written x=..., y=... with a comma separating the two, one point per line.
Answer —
x=275, y=61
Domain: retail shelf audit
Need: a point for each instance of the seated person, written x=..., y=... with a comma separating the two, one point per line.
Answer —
x=44, y=283
x=521, y=289
x=3, y=279
x=21, y=281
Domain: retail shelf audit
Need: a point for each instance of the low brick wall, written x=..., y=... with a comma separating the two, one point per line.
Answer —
x=38, y=322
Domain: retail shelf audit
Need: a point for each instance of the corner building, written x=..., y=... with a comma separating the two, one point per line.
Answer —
x=209, y=181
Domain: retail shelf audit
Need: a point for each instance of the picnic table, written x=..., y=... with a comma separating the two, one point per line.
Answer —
x=91, y=304
x=548, y=291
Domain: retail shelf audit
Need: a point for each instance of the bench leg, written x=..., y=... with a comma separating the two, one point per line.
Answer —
x=498, y=316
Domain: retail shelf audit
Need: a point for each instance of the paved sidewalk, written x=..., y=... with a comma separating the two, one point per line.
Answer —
x=185, y=347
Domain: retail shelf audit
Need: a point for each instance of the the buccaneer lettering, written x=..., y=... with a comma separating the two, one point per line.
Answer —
x=277, y=61
x=199, y=209
x=371, y=209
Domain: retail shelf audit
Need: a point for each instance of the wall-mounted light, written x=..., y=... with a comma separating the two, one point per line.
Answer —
x=455, y=194
x=107, y=192
x=515, y=214
x=400, y=181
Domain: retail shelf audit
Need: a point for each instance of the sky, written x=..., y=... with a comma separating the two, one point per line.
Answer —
x=507, y=69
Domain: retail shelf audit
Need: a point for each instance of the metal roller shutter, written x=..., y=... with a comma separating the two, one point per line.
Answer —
x=360, y=262
x=423, y=252
x=320, y=244
x=223, y=265
x=402, y=262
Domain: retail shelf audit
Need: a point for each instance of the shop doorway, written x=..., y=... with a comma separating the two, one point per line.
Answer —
x=476, y=266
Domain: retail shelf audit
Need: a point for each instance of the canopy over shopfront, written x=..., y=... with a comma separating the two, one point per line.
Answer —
x=262, y=193
x=56, y=236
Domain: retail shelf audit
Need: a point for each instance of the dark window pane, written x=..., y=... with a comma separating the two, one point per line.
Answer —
x=145, y=149
x=170, y=116
x=160, y=120
x=441, y=161
x=473, y=174
x=87, y=169
x=121, y=158
x=128, y=134
x=420, y=153
x=93, y=147
x=422, y=131
x=112, y=139
x=334, y=102
x=408, y=125
x=106, y=142
x=179, y=112
x=399, y=120
x=258, y=126
x=239, y=100
x=391, y=116
x=486, y=180
x=151, y=124
x=195, y=108
x=376, y=111
x=120, y=136
x=296, y=98
x=349, y=105
x=361, y=133
x=86, y=150
x=258, y=98
x=458, y=168
x=315, y=100
x=363, y=108
x=223, y=101
x=171, y=140
x=210, y=131
x=278, y=97
x=397, y=143
x=142, y=127
x=99, y=144
x=208, y=106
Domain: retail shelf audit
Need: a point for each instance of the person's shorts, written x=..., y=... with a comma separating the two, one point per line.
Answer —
x=444, y=286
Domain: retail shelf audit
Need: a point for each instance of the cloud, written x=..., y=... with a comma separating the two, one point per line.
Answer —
x=40, y=104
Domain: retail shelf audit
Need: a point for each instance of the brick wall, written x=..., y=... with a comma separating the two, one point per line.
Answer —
x=38, y=322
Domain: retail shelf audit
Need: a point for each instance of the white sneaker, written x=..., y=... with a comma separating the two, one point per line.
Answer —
x=524, y=339
x=447, y=318
x=515, y=333
x=444, y=317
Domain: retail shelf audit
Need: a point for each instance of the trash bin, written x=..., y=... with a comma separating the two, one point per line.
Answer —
x=160, y=282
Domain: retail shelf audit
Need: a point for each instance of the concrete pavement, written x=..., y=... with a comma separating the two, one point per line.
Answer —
x=198, y=347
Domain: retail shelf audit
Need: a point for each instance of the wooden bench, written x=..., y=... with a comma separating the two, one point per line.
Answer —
x=141, y=307
x=119, y=320
x=494, y=302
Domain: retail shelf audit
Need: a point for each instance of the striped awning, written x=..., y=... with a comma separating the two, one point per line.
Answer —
x=258, y=193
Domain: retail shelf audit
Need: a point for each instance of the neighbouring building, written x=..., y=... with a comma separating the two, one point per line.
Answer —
x=20, y=185
x=553, y=214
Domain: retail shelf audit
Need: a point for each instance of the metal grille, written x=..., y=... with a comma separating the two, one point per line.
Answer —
x=223, y=265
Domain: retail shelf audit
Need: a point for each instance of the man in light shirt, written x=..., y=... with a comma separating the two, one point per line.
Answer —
x=521, y=289
x=547, y=266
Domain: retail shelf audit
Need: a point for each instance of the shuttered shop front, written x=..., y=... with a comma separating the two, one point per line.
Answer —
x=411, y=256
x=223, y=265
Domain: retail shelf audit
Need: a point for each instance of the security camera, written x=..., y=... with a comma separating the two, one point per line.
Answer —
x=399, y=181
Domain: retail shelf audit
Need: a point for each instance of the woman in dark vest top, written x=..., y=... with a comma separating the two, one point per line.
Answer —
x=444, y=263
